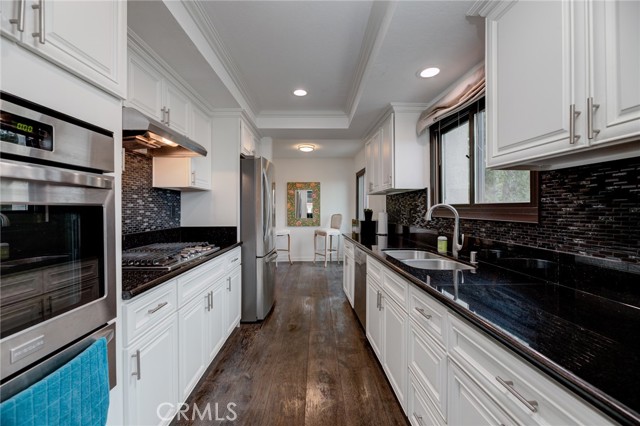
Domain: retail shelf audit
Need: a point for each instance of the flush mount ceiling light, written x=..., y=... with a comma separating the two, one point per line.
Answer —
x=429, y=72
x=306, y=147
x=300, y=92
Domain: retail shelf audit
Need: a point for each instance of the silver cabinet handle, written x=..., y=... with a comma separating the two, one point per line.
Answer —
x=163, y=118
x=20, y=19
x=418, y=418
x=137, y=373
x=157, y=308
x=573, y=114
x=378, y=300
x=229, y=283
x=40, y=34
x=591, y=107
x=209, y=300
x=235, y=260
x=193, y=178
x=168, y=116
x=531, y=405
x=423, y=313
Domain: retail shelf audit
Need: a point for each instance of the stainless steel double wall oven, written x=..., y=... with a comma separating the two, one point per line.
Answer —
x=57, y=266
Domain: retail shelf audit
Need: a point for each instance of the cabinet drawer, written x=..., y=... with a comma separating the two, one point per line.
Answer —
x=147, y=310
x=428, y=363
x=419, y=411
x=374, y=268
x=396, y=287
x=233, y=259
x=504, y=376
x=193, y=282
x=429, y=314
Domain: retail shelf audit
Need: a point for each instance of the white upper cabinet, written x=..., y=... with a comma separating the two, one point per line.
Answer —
x=397, y=157
x=248, y=141
x=177, y=109
x=547, y=63
x=145, y=88
x=615, y=81
x=87, y=38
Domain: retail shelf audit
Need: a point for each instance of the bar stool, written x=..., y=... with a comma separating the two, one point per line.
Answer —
x=284, y=233
x=328, y=233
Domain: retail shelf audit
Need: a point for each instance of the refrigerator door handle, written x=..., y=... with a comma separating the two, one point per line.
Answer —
x=271, y=257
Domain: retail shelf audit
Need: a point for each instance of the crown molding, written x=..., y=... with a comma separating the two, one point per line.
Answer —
x=484, y=8
x=377, y=26
x=302, y=120
x=409, y=107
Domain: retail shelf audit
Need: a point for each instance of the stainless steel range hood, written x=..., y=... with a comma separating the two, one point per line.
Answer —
x=140, y=132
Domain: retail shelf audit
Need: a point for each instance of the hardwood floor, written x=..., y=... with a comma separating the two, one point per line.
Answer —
x=308, y=363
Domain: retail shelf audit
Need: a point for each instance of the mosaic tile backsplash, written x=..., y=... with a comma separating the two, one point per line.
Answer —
x=591, y=210
x=145, y=208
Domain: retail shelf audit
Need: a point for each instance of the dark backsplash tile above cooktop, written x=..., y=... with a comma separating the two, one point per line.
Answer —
x=221, y=236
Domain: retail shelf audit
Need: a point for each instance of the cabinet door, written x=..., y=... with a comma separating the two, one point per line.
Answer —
x=191, y=327
x=370, y=165
x=216, y=319
x=470, y=405
x=87, y=38
x=178, y=109
x=396, y=323
x=201, y=166
x=419, y=411
x=351, y=278
x=616, y=70
x=233, y=305
x=145, y=88
x=428, y=362
x=530, y=82
x=9, y=11
x=151, y=388
x=386, y=153
x=247, y=142
x=374, y=317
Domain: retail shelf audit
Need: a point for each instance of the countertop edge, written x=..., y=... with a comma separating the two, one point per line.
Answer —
x=130, y=295
x=586, y=391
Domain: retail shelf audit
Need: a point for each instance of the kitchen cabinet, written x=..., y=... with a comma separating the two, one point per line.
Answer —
x=387, y=325
x=543, y=86
x=156, y=94
x=87, y=39
x=348, y=271
x=151, y=376
x=187, y=173
x=394, y=142
x=173, y=332
x=419, y=410
x=248, y=141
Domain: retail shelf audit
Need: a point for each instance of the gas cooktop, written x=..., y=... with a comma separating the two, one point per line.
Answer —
x=165, y=256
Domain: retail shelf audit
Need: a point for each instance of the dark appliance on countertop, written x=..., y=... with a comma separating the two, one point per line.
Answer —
x=57, y=270
x=165, y=256
x=360, y=286
x=258, y=240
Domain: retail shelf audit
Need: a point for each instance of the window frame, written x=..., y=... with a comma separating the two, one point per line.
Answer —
x=512, y=212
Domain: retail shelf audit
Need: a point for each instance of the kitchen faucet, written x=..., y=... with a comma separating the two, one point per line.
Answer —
x=455, y=247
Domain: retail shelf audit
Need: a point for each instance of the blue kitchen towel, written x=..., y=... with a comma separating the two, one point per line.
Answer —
x=75, y=394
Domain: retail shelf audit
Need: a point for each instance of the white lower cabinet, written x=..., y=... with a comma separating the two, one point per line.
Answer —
x=419, y=411
x=151, y=389
x=173, y=332
x=469, y=405
x=348, y=271
x=445, y=371
x=428, y=363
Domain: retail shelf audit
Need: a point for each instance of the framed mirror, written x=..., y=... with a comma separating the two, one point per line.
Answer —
x=303, y=203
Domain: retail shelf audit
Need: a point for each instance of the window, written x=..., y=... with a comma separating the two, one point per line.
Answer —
x=460, y=177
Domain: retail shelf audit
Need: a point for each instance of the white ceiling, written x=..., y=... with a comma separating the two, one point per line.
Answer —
x=353, y=57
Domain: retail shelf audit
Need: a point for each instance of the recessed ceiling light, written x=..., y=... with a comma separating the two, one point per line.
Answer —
x=306, y=147
x=300, y=92
x=429, y=72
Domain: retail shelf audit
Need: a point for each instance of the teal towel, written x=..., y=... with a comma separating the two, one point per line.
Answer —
x=75, y=394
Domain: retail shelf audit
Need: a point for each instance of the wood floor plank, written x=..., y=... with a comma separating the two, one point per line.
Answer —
x=307, y=364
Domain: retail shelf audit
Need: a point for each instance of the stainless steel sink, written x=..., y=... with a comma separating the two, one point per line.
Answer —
x=403, y=254
x=437, y=264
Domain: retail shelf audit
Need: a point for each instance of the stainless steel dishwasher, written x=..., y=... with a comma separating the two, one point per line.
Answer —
x=360, y=286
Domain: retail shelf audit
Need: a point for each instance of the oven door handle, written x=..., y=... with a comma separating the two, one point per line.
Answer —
x=55, y=175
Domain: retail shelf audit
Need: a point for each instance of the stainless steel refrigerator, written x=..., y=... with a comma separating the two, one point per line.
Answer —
x=257, y=213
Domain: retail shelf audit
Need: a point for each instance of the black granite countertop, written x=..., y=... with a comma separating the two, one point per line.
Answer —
x=582, y=333
x=135, y=283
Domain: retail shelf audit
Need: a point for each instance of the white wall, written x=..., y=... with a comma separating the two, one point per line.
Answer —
x=337, y=195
